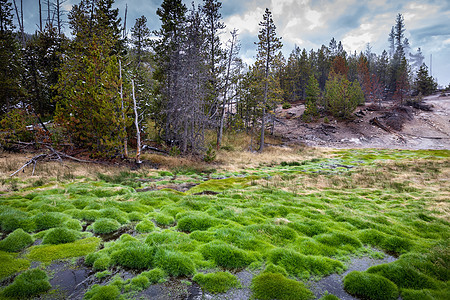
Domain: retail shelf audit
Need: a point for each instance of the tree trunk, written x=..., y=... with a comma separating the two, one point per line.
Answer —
x=125, y=140
x=138, y=134
x=222, y=116
x=40, y=16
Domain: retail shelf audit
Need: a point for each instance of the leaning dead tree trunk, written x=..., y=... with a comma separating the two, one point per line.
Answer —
x=227, y=78
x=138, y=134
x=125, y=140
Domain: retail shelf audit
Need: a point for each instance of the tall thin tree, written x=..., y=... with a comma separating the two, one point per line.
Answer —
x=268, y=45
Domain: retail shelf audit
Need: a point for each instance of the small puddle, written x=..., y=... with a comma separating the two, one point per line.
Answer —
x=333, y=284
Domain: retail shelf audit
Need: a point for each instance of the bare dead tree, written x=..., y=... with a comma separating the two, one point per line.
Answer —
x=231, y=55
x=125, y=140
x=40, y=16
x=124, y=33
x=20, y=20
x=138, y=133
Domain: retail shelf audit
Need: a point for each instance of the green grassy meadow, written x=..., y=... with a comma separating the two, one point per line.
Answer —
x=286, y=222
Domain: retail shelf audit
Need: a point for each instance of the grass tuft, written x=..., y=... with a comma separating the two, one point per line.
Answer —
x=174, y=263
x=226, y=256
x=100, y=292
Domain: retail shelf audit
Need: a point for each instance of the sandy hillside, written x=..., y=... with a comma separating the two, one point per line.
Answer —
x=421, y=129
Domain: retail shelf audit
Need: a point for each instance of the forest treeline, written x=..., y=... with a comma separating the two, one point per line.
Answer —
x=173, y=84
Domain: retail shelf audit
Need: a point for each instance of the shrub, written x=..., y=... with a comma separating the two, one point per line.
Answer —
x=174, y=263
x=163, y=219
x=267, y=286
x=226, y=256
x=286, y=105
x=300, y=265
x=105, y=225
x=134, y=256
x=156, y=275
x=196, y=222
x=16, y=241
x=99, y=292
x=60, y=235
x=145, y=226
x=28, y=284
x=341, y=97
x=370, y=286
x=218, y=282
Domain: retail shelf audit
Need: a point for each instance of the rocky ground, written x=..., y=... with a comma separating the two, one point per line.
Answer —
x=421, y=129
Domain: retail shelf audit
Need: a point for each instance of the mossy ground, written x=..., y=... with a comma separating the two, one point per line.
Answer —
x=289, y=218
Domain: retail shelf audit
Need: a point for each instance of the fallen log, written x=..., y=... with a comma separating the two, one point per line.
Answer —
x=31, y=161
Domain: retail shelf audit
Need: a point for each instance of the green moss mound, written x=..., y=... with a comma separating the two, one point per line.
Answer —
x=163, y=219
x=10, y=265
x=60, y=235
x=271, y=268
x=269, y=286
x=27, y=284
x=98, y=260
x=48, y=253
x=218, y=282
x=105, y=225
x=396, y=245
x=145, y=226
x=134, y=256
x=174, y=263
x=370, y=286
x=329, y=297
x=49, y=220
x=16, y=241
x=101, y=292
x=12, y=219
x=194, y=222
x=226, y=256
x=303, y=266
x=139, y=283
x=404, y=276
x=73, y=224
x=339, y=240
x=156, y=275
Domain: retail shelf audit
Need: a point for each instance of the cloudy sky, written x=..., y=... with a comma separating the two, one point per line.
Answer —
x=311, y=23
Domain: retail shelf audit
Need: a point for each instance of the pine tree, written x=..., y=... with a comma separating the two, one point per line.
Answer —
x=11, y=91
x=88, y=102
x=140, y=38
x=312, y=98
x=424, y=83
x=268, y=46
